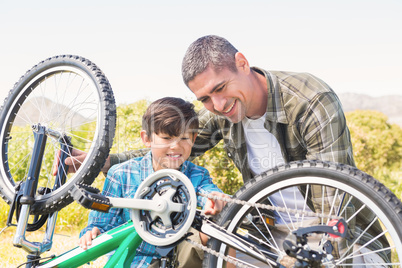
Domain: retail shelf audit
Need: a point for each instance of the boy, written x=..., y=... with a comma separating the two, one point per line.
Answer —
x=169, y=129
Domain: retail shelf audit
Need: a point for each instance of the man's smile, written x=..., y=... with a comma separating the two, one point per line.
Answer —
x=227, y=111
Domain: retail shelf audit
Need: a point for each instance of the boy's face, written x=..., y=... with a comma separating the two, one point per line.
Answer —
x=168, y=151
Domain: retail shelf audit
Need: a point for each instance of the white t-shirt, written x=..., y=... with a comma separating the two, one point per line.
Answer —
x=264, y=153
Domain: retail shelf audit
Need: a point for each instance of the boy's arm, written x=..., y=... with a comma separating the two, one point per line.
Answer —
x=214, y=207
x=203, y=182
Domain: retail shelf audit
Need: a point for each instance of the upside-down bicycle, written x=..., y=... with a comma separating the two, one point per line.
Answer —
x=347, y=218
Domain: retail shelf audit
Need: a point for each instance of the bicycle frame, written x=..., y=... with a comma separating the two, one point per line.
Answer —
x=124, y=239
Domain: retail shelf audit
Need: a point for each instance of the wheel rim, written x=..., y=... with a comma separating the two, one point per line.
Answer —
x=391, y=232
x=63, y=98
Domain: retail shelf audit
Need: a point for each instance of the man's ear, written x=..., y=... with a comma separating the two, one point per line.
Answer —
x=242, y=62
x=145, y=138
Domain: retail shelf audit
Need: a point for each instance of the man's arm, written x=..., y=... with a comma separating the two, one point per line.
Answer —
x=324, y=131
x=124, y=156
x=209, y=133
x=79, y=156
x=326, y=137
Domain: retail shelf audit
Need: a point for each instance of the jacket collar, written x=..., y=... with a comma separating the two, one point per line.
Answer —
x=275, y=107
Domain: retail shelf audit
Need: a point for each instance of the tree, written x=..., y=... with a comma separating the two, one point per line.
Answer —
x=377, y=147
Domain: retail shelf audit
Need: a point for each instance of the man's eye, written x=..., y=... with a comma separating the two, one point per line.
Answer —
x=204, y=100
x=219, y=89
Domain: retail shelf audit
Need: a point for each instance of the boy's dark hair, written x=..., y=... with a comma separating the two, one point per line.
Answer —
x=171, y=116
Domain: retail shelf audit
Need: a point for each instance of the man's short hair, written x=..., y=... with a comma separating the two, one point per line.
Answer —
x=171, y=116
x=208, y=51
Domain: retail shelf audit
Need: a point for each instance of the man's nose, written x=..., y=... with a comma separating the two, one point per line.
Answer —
x=219, y=103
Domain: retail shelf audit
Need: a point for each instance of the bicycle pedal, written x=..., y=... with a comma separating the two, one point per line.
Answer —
x=89, y=197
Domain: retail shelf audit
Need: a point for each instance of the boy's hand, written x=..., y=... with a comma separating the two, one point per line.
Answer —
x=213, y=207
x=86, y=239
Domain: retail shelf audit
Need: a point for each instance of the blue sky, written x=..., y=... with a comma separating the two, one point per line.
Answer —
x=354, y=46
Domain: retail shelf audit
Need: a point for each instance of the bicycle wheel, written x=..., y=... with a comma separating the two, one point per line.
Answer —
x=68, y=95
x=373, y=215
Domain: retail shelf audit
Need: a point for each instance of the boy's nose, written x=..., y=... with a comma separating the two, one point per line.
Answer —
x=174, y=143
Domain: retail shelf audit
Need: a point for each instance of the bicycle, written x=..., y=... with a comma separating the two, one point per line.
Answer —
x=257, y=221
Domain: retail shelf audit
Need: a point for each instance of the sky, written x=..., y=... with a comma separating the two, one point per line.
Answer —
x=353, y=45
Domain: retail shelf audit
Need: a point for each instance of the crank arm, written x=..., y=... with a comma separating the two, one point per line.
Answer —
x=90, y=197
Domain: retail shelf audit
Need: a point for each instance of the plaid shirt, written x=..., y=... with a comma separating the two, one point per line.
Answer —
x=123, y=181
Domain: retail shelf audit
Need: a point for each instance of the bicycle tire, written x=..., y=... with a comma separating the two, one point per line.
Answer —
x=66, y=93
x=359, y=185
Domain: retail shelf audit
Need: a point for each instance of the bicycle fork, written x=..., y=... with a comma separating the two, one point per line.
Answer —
x=27, y=198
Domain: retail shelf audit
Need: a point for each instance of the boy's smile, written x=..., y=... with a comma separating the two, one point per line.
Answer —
x=168, y=151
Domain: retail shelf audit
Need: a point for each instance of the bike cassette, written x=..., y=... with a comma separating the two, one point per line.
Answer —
x=173, y=191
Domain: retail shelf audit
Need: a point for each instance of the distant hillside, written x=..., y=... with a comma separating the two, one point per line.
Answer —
x=56, y=112
x=391, y=105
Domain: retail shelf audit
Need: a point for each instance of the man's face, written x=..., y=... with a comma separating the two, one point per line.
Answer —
x=225, y=93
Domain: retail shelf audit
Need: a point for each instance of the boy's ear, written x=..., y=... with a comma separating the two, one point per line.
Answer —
x=194, y=136
x=145, y=139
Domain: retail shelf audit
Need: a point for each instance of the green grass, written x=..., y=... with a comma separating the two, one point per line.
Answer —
x=11, y=256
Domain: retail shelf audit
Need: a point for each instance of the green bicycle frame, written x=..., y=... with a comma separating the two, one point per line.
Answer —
x=124, y=239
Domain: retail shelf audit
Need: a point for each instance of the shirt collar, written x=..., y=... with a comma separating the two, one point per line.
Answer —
x=275, y=108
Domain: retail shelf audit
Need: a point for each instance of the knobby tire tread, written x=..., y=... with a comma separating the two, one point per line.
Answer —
x=63, y=198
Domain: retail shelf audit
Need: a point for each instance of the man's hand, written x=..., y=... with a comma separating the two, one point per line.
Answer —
x=75, y=160
x=213, y=207
x=86, y=239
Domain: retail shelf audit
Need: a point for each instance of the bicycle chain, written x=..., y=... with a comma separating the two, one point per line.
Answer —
x=218, y=255
x=256, y=205
x=269, y=207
